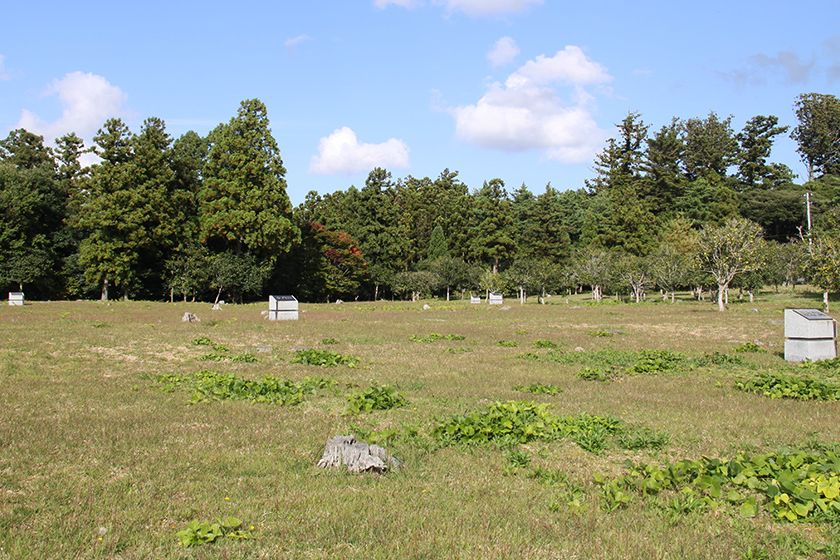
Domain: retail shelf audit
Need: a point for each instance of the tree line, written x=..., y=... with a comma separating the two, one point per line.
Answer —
x=691, y=205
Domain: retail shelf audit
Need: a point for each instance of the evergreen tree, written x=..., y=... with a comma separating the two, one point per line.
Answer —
x=493, y=229
x=818, y=133
x=756, y=142
x=243, y=202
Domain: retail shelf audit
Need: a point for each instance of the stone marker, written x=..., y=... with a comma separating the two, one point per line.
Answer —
x=426, y=307
x=495, y=299
x=475, y=299
x=15, y=298
x=283, y=308
x=356, y=456
x=809, y=335
x=189, y=318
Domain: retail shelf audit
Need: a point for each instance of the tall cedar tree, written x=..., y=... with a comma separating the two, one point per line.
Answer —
x=243, y=202
x=493, y=230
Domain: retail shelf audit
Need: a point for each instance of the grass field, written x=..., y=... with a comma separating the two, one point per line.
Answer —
x=97, y=460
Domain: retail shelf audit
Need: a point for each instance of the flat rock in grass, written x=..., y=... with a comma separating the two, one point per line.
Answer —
x=357, y=456
x=189, y=318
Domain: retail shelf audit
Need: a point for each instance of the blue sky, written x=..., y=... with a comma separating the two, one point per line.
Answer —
x=525, y=90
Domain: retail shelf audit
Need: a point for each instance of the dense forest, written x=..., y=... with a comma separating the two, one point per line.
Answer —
x=691, y=205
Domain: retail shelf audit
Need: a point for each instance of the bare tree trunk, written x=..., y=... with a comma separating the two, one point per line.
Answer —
x=752, y=296
x=218, y=295
x=720, y=297
x=447, y=293
x=726, y=295
x=375, y=291
x=825, y=300
x=104, y=295
x=171, y=295
x=672, y=296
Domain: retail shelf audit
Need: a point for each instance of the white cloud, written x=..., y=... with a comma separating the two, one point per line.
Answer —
x=470, y=7
x=527, y=112
x=487, y=7
x=87, y=100
x=503, y=52
x=293, y=42
x=381, y=4
x=4, y=75
x=341, y=152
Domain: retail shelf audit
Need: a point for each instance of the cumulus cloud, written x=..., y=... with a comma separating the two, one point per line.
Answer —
x=4, y=75
x=293, y=42
x=503, y=52
x=527, y=111
x=341, y=152
x=86, y=99
x=475, y=8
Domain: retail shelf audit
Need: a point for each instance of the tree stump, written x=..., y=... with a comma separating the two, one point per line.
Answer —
x=189, y=318
x=356, y=456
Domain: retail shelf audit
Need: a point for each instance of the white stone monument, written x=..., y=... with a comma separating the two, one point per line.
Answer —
x=496, y=299
x=810, y=335
x=15, y=298
x=475, y=299
x=282, y=308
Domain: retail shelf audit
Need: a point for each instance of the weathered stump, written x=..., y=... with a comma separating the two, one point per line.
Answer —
x=189, y=318
x=356, y=456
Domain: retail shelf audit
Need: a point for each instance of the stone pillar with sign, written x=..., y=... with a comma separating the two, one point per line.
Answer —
x=15, y=298
x=496, y=299
x=810, y=335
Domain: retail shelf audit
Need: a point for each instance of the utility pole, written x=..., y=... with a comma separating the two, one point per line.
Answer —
x=808, y=215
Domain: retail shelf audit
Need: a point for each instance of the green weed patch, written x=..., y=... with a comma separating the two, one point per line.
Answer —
x=435, y=337
x=539, y=389
x=211, y=386
x=507, y=343
x=206, y=532
x=749, y=347
x=324, y=358
x=515, y=422
x=376, y=397
x=783, y=386
x=791, y=486
x=546, y=344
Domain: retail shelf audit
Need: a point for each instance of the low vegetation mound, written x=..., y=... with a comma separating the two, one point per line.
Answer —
x=324, y=358
x=211, y=386
x=515, y=422
x=376, y=397
x=791, y=486
x=206, y=532
x=435, y=337
x=778, y=385
x=539, y=389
